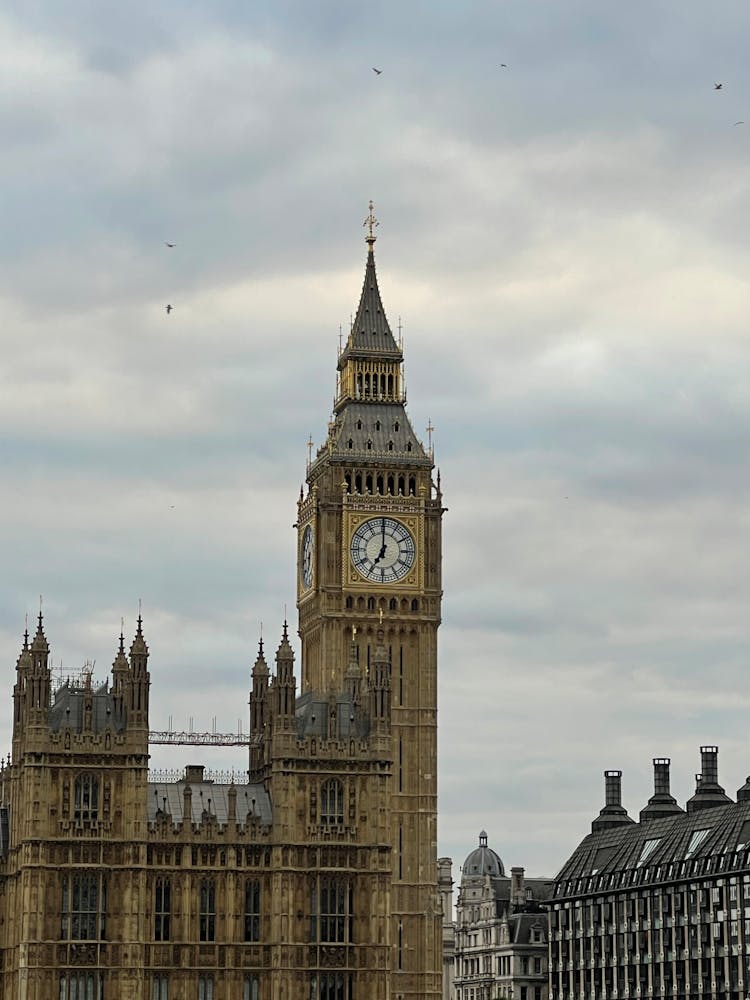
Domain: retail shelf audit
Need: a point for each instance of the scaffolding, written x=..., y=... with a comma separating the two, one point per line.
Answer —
x=199, y=739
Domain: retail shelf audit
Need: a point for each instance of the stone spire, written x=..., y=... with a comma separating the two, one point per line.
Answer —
x=285, y=684
x=39, y=681
x=380, y=684
x=120, y=674
x=140, y=680
x=259, y=693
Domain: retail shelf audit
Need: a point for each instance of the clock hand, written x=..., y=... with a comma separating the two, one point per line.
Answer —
x=381, y=554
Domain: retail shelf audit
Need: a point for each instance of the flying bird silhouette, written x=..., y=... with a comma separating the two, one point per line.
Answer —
x=739, y=123
x=169, y=309
x=718, y=86
x=378, y=71
x=169, y=244
x=503, y=65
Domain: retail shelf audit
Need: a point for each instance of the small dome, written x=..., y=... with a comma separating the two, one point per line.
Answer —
x=482, y=861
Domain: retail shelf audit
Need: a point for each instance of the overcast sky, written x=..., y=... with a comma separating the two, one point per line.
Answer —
x=565, y=239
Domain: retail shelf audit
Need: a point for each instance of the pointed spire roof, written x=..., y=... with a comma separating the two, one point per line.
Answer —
x=284, y=652
x=138, y=645
x=39, y=643
x=24, y=658
x=261, y=667
x=370, y=334
x=121, y=660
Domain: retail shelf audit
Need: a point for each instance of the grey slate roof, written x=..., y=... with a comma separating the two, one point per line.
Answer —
x=520, y=926
x=313, y=713
x=209, y=798
x=370, y=333
x=661, y=850
x=482, y=861
x=66, y=711
x=377, y=430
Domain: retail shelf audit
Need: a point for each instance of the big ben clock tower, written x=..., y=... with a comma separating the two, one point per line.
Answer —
x=369, y=572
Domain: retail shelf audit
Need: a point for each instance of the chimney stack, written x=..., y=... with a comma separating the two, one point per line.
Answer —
x=661, y=803
x=708, y=794
x=613, y=813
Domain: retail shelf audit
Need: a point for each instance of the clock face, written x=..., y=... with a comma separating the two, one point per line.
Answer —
x=382, y=550
x=307, y=557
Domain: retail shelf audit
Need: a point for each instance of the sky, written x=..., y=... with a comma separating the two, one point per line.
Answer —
x=564, y=239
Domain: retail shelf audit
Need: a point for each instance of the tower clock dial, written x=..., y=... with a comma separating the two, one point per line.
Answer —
x=382, y=550
x=306, y=557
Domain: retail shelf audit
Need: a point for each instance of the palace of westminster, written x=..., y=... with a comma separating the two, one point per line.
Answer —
x=318, y=878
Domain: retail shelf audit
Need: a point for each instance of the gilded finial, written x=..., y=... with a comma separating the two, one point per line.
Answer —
x=371, y=222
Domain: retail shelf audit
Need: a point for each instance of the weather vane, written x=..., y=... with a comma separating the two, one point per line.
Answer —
x=371, y=221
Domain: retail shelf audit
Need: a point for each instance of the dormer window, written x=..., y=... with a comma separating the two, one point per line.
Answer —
x=377, y=425
x=350, y=443
x=390, y=446
x=359, y=425
x=408, y=446
x=369, y=445
x=395, y=426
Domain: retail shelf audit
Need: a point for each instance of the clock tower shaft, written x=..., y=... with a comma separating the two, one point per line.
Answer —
x=369, y=573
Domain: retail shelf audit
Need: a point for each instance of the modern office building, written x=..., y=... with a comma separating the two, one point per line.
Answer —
x=659, y=908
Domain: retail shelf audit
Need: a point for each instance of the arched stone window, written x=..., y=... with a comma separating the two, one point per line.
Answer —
x=332, y=803
x=86, y=797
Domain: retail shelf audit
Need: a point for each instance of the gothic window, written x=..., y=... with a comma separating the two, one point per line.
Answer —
x=83, y=916
x=350, y=602
x=408, y=445
x=412, y=486
x=252, y=909
x=358, y=483
x=331, y=985
x=331, y=910
x=350, y=443
x=368, y=478
x=81, y=986
x=379, y=484
x=391, y=486
x=390, y=446
x=162, y=909
x=250, y=988
x=377, y=425
x=205, y=988
x=369, y=445
x=392, y=604
x=401, y=485
x=332, y=803
x=395, y=426
x=359, y=425
x=370, y=603
x=207, y=914
x=160, y=987
x=415, y=604
x=86, y=797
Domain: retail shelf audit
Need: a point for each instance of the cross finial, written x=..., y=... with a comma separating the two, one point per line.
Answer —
x=371, y=222
x=309, y=449
x=430, y=429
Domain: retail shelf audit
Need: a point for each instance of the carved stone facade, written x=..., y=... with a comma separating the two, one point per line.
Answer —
x=314, y=879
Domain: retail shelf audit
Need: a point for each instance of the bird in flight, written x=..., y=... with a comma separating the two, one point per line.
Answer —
x=169, y=244
x=169, y=309
x=378, y=71
x=739, y=123
x=503, y=65
x=718, y=86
